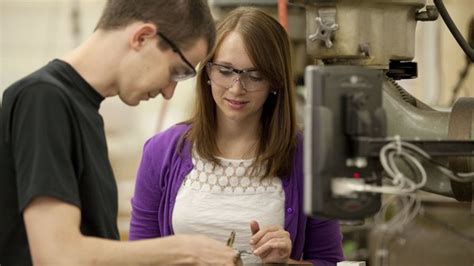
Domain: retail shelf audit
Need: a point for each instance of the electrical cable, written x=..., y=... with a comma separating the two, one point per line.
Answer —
x=465, y=71
x=388, y=155
x=403, y=206
x=400, y=183
x=458, y=86
x=460, y=177
x=453, y=29
x=406, y=208
x=409, y=205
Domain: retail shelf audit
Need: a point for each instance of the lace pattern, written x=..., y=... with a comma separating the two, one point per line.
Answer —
x=232, y=177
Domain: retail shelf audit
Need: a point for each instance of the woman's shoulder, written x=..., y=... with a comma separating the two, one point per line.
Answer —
x=169, y=136
x=299, y=138
x=299, y=146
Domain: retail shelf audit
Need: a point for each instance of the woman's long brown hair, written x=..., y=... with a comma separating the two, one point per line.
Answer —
x=268, y=46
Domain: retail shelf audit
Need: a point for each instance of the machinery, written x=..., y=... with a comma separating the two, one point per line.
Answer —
x=356, y=112
x=370, y=146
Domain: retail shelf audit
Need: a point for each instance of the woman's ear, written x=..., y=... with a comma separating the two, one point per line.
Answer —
x=142, y=33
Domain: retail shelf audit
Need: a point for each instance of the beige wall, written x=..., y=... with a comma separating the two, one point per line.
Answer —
x=452, y=57
x=440, y=58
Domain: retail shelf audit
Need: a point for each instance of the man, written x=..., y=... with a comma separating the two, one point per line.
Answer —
x=58, y=196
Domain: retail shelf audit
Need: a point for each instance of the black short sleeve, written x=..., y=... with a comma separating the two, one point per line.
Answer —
x=52, y=143
x=41, y=138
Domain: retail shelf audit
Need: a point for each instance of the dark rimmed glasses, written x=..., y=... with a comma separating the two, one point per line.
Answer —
x=183, y=73
x=226, y=76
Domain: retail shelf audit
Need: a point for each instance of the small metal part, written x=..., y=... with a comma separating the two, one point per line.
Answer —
x=364, y=49
x=430, y=14
x=325, y=26
x=230, y=241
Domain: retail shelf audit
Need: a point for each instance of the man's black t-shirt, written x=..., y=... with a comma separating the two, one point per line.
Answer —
x=52, y=143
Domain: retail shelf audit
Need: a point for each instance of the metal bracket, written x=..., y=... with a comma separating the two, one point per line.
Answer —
x=430, y=14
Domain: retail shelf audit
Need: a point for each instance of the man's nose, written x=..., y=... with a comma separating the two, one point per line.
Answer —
x=168, y=91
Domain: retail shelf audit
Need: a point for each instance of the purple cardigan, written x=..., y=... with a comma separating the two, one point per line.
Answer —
x=162, y=172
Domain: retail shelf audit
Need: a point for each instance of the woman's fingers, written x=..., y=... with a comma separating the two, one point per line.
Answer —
x=262, y=232
x=254, y=227
x=271, y=243
x=275, y=251
x=280, y=233
x=275, y=243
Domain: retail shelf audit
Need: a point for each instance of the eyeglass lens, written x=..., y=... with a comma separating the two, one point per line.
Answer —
x=187, y=70
x=225, y=76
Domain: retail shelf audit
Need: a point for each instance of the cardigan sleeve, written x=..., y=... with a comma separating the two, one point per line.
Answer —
x=322, y=237
x=323, y=245
x=146, y=199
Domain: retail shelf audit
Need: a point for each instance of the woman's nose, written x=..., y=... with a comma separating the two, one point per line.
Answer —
x=237, y=85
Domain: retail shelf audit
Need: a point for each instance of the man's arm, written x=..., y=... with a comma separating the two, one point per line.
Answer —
x=55, y=239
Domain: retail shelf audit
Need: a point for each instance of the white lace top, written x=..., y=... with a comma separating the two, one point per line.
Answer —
x=216, y=200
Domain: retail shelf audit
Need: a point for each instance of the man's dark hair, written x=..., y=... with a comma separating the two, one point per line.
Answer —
x=182, y=21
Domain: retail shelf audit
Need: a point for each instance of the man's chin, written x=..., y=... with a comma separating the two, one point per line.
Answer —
x=131, y=102
x=153, y=95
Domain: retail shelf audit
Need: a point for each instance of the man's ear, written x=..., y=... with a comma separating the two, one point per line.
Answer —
x=142, y=33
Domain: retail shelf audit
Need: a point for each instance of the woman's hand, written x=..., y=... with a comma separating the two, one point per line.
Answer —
x=271, y=243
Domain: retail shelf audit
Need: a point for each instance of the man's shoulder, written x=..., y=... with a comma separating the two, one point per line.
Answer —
x=38, y=83
x=173, y=132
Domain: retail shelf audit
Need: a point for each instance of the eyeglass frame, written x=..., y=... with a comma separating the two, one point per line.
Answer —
x=175, y=49
x=235, y=70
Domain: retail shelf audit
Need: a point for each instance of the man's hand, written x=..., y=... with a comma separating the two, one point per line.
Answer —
x=271, y=243
x=199, y=250
x=55, y=239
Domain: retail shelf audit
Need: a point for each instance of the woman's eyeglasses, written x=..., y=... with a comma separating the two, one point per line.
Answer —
x=226, y=76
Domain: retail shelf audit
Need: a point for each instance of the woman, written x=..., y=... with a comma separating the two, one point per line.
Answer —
x=236, y=165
